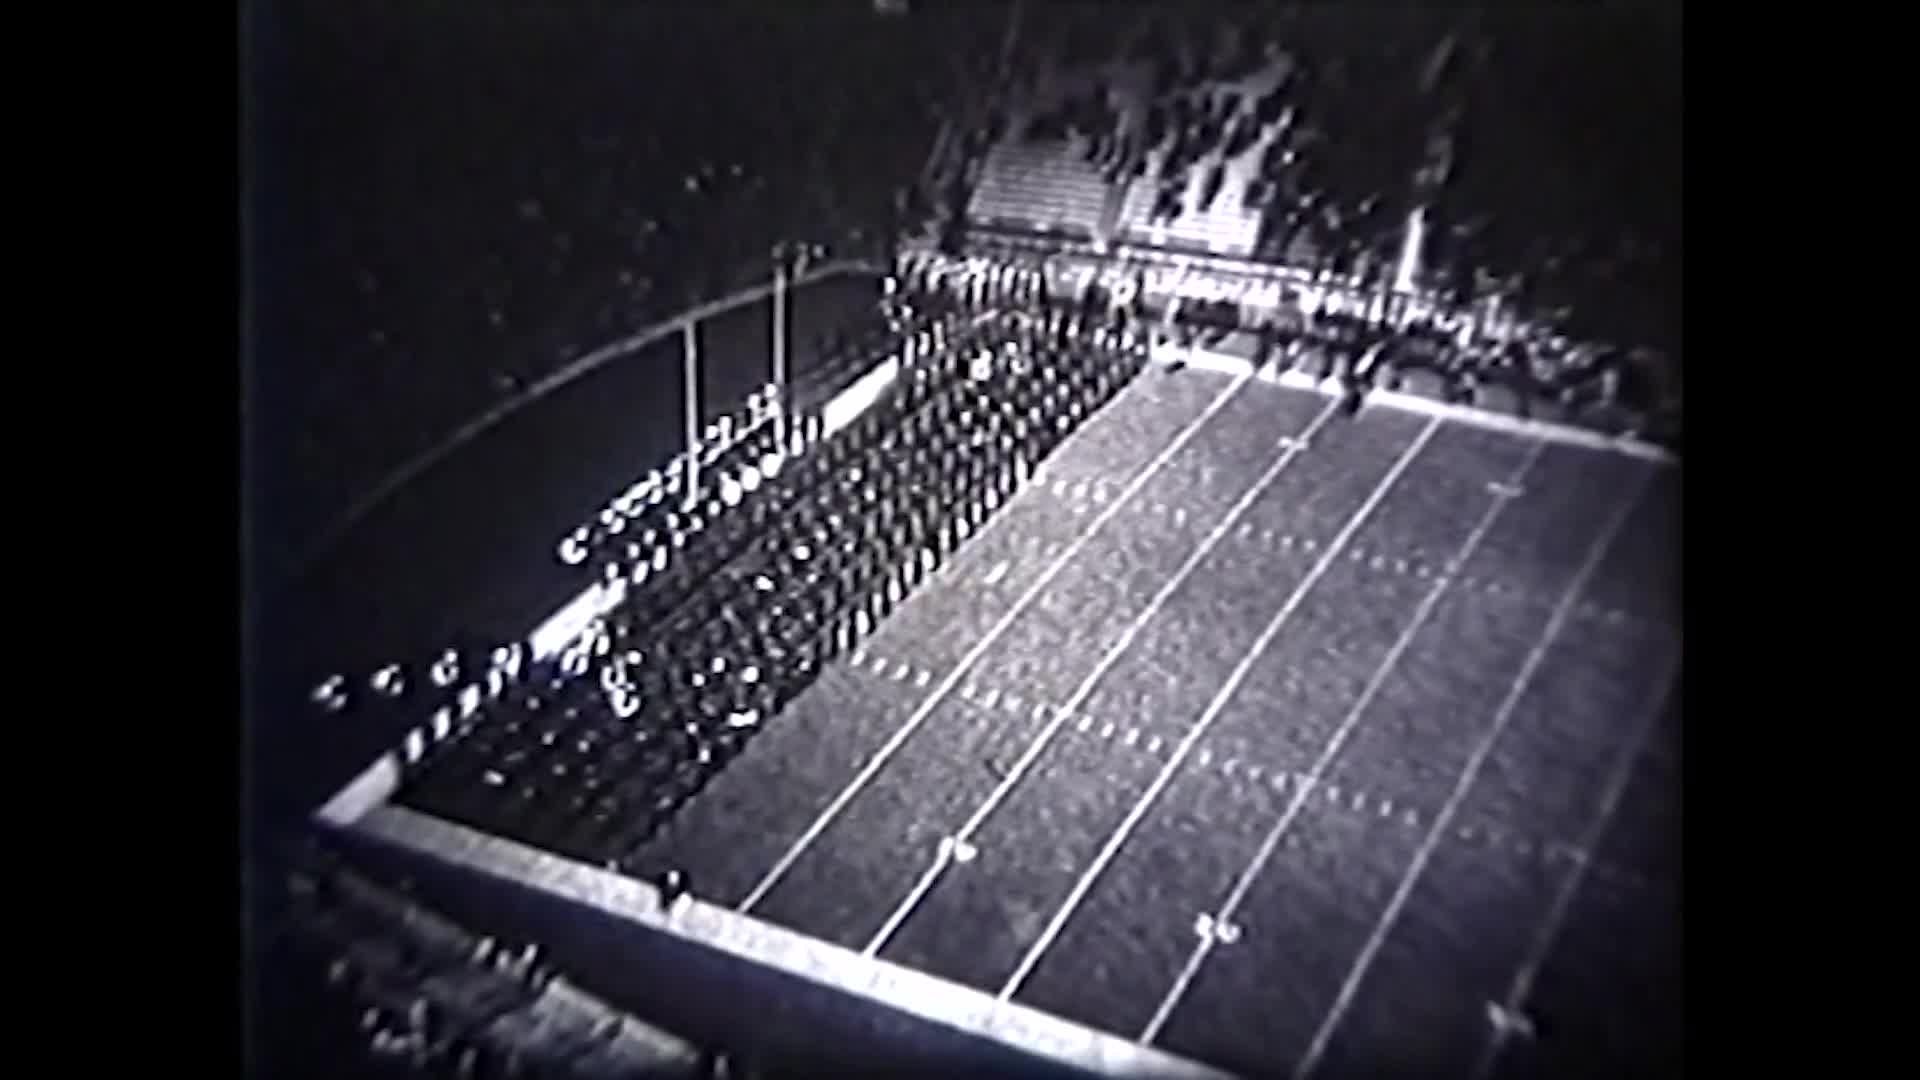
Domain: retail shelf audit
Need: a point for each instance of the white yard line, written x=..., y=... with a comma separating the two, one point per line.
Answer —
x=1437, y=829
x=1328, y=753
x=1212, y=710
x=892, y=746
x=1007, y=783
x=1584, y=857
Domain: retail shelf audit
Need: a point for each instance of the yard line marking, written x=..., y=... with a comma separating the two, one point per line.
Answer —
x=1564, y=608
x=1086, y=687
x=1212, y=711
x=1304, y=787
x=925, y=709
x=1583, y=858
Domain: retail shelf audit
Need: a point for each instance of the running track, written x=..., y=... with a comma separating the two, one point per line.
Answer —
x=1287, y=742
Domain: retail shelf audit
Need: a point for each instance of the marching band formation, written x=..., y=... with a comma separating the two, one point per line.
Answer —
x=792, y=554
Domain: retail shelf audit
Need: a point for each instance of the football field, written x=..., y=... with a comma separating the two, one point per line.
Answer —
x=1284, y=741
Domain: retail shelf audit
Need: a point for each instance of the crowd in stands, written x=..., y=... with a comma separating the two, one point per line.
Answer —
x=450, y=201
x=392, y=988
x=1540, y=146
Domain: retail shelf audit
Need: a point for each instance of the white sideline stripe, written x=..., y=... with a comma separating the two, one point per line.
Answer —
x=1303, y=783
x=375, y=785
x=972, y=656
x=1207, y=716
x=1548, y=431
x=711, y=926
x=1589, y=843
x=1561, y=612
x=1080, y=694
